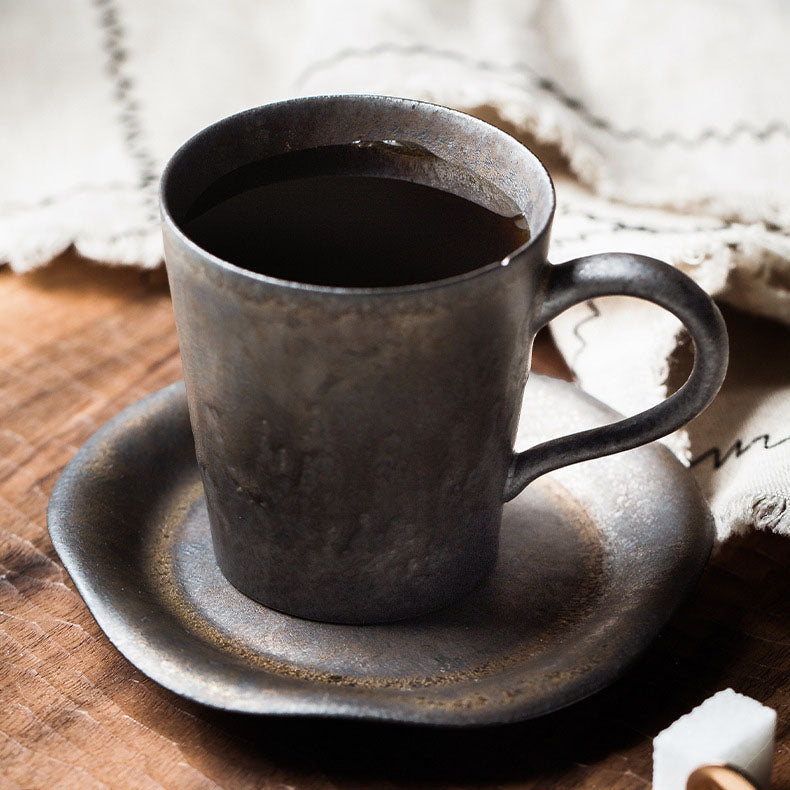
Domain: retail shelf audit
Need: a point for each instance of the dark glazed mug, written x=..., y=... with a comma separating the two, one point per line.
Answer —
x=356, y=444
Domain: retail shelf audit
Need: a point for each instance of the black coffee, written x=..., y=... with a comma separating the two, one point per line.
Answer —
x=356, y=215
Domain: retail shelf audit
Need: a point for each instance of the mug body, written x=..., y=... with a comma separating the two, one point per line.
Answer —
x=354, y=443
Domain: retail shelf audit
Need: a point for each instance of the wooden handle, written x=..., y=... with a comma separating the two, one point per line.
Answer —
x=720, y=777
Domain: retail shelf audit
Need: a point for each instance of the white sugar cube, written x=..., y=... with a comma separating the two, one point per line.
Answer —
x=727, y=728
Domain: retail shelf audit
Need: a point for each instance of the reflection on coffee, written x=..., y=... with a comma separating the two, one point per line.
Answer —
x=363, y=214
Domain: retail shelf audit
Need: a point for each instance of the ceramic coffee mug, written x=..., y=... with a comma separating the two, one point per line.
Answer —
x=356, y=444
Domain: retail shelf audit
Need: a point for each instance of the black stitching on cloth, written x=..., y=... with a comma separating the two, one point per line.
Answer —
x=615, y=225
x=621, y=229
x=737, y=450
x=593, y=314
x=59, y=197
x=124, y=234
x=117, y=57
x=742, y=128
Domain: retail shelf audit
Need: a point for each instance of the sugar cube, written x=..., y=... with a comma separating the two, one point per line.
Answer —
x=728, y=728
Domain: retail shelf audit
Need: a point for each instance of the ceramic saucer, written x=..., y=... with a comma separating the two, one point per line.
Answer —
x=594, y=559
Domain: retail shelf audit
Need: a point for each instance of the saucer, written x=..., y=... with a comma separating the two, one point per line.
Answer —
x=593, y=560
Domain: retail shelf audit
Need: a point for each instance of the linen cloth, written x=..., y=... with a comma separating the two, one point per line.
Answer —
x=668, y=127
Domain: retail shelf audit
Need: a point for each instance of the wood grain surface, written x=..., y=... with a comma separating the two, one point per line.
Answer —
x=79, y=342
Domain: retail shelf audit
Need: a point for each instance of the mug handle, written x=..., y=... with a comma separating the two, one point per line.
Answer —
x=622, y=274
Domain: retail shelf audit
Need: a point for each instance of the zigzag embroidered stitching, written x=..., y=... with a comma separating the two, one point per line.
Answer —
x=737, y=450
x=594, y=313
x=549, y=86
x=124, y=94
x=18, y=207
x=615, y=225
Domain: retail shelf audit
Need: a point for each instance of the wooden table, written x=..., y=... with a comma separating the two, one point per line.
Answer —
x=79, y=342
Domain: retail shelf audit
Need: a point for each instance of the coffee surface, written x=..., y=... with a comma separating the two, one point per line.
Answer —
x=363, y=214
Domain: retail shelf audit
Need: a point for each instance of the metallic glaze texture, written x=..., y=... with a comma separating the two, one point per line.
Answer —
x=355, y=445
x=594, y=559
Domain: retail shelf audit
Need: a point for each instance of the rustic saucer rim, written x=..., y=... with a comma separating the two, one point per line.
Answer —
x=141, y=643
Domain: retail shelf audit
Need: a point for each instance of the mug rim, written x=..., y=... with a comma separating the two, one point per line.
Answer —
x=239, y=271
